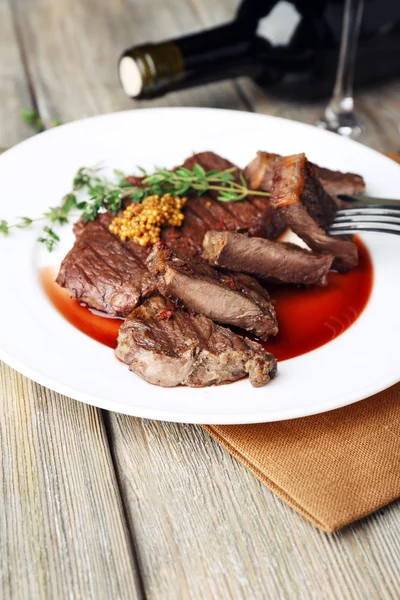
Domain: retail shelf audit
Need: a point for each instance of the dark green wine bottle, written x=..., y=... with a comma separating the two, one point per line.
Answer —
x=290, y=48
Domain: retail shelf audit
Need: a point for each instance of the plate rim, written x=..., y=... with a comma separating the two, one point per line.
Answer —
x=214, y=418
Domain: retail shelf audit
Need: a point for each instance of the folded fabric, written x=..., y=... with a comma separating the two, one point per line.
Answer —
x=333, y=468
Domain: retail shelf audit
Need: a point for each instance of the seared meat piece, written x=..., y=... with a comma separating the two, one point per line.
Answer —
x=105, y=273
x=260, y=171
x=202, y=213
x=256, y=218
x=337, y=183
x=269, y=260
x=169, y=347
x=186, y=239
x=294, y=181
x=231, y=299
x=303, y=204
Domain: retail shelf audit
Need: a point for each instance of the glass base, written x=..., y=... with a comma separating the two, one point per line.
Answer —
x=345, y=124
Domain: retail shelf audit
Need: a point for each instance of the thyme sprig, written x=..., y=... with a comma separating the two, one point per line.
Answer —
x=32, y=118
x=103, y=194
x=185, y=181
x=55, y=214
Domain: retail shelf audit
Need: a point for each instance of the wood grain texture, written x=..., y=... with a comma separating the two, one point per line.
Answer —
x=14, y=89
x=202, y=525
x=62, y=531
x=200, y=518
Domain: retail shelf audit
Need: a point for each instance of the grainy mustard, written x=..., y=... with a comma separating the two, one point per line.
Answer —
x=142, y=223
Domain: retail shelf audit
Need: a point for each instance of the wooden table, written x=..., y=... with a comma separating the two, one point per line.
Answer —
x=101, y=505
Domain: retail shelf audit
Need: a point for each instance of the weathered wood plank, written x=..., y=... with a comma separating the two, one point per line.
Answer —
x=200, y=518
x=63, y=533
x=14, y=90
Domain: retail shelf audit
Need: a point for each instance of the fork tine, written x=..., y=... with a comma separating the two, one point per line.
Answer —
x=369, y=210
x=367, y=218
x=351, y=227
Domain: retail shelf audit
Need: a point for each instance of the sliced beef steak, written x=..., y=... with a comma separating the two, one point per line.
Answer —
x=337, y=183
x=253, y=216
x=202, y=213
x=169, y=347
x=260, y=171
x=276, y=261
x=295, y=181
x=302, y=203
x=230, y=299
x=105, y=273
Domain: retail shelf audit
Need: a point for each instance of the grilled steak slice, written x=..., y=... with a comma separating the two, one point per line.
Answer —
x=337, y=183
x=203, y=213
x=255, y=217
x=302, y=203
x=169, y=347
x=105, y=273
x=259, y=174
x=260, y=170
x=276, y=261
x=230, y=299
x=295, y=181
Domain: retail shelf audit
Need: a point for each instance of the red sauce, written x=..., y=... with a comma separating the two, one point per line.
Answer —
x=102, y=329
x=311, y=317
x=308, y=317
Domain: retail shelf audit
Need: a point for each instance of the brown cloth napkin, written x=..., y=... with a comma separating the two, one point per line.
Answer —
x=333, y=468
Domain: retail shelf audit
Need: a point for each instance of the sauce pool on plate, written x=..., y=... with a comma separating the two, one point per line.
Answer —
x=308, y=317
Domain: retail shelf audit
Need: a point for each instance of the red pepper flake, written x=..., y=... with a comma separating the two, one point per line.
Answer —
x=230, y=282
x=186, y=267
x=165, y=315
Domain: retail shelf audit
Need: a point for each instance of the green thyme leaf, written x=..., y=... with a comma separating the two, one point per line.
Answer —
x=51, y=233
x=199, y=171
x=68, y=202
x=4, y=228
x=120, y=174
x=25, y=222
x=31, y=117
x=55, y=122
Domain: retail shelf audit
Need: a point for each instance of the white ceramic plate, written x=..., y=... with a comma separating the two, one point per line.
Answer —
x=37, y=341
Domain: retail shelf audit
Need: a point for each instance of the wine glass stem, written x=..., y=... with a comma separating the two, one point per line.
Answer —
x=340, y=110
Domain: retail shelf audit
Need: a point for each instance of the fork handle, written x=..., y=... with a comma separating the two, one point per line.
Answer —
x=370, y=201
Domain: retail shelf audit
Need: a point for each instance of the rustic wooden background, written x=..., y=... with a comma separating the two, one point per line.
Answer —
x=100, y=505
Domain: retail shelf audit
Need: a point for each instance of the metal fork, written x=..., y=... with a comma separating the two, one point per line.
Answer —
x=367, y=214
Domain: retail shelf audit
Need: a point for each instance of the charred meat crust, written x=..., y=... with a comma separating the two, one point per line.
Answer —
x=272, y=261
x=188, y=349
x=307, y=209
x=295, y=181
x=232, y=299
x=259, y=173
x=254, y=217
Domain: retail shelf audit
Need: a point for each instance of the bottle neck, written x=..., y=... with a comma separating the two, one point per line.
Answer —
x=224, y=52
